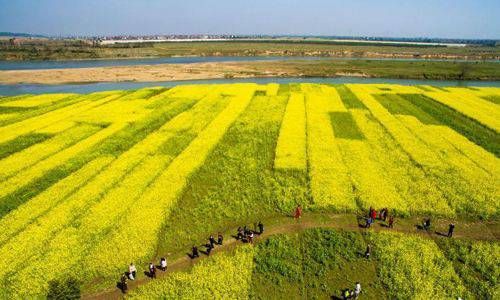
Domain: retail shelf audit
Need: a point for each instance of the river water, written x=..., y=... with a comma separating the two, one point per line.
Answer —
x=64, y=64
x=18, y=89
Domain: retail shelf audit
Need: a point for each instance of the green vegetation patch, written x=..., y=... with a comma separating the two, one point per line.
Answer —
x=493, y=98
x=345, y=127
x=350, y=100
x=313, y=264
x=22, y=142
x=471, y=129
x=432, y=112
x=477, y=265
x=398, y=105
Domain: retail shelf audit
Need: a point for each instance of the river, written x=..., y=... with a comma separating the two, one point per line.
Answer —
x=92, y=63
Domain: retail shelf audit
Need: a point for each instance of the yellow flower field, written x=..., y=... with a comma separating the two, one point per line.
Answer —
x=89, y=186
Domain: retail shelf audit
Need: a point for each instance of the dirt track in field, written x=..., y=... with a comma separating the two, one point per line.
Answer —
x=349, y=222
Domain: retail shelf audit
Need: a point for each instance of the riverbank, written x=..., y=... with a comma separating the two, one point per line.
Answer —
x=433, y=70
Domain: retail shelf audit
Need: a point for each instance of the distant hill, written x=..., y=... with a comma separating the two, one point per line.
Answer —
x=25, y=35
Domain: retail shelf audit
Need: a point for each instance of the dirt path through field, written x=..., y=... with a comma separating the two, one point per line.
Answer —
x=284, y=224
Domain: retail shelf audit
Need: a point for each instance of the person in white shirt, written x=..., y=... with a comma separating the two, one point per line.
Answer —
x=132, y=271
x=163, y=264
x=357, y=290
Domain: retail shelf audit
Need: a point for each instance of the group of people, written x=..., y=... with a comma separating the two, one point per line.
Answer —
x=132, y=273
x=350, y=294
x=246, y=235
x=209, y=246
x=426, y=225
x=243, y=234
x=383, y=215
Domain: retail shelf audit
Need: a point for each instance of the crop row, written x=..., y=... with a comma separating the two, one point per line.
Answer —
x=291, y=147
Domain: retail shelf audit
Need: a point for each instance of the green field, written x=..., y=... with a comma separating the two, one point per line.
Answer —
x=90, y=183
x=78, y=49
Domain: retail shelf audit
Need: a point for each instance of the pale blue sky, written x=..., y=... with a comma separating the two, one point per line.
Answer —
x=394, y=18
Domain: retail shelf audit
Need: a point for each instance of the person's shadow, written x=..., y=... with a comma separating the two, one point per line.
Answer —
x=441, y=233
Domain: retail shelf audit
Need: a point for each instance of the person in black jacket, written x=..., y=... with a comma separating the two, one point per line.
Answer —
x=450, y=230
x=195, y=252
x=261, y=227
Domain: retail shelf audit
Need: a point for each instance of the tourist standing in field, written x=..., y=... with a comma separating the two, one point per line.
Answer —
x=212, y=241
x=220, y=238
x=132, y=271
x=240, y=233
x=368, y=251
x=357, y=290
x=298, y=212
x=250, y=238
x=195, y=252
x=152, y=270
x=391, y=221
x=451, y=228
x=124, y=283
x=163, y=264
x=427, y=224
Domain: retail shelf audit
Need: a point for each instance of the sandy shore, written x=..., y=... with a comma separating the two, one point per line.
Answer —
x=215, y=70
x=163, y=72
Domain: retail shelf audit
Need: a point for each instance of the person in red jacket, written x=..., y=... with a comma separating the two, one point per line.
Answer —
x=298, y=212
x=374, y=214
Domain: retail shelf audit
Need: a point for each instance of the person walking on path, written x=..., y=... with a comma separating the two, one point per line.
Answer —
x=369, y=222
x=132, y=271
x=427, y=224
x=391, y=221
x=212, y=241
x=298, y=212
x=450, y=230
x=250, y=238
x=357, y=290
x=368, y=251
x=346, y=294
x=195, y=252
x=152, y=270
x=163, y=264
x=373, y=214
x=220, y=238
x=261, y=228
x=124, y=283
x=240, y=234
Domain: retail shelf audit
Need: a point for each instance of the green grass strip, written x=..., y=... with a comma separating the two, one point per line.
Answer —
x=471, y=129
x=22, y=142
x=397, y=105
x=492, y=98
x=344, y=126
x=350, y=100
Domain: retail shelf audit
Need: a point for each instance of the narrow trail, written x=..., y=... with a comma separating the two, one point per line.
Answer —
x=474, y=230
